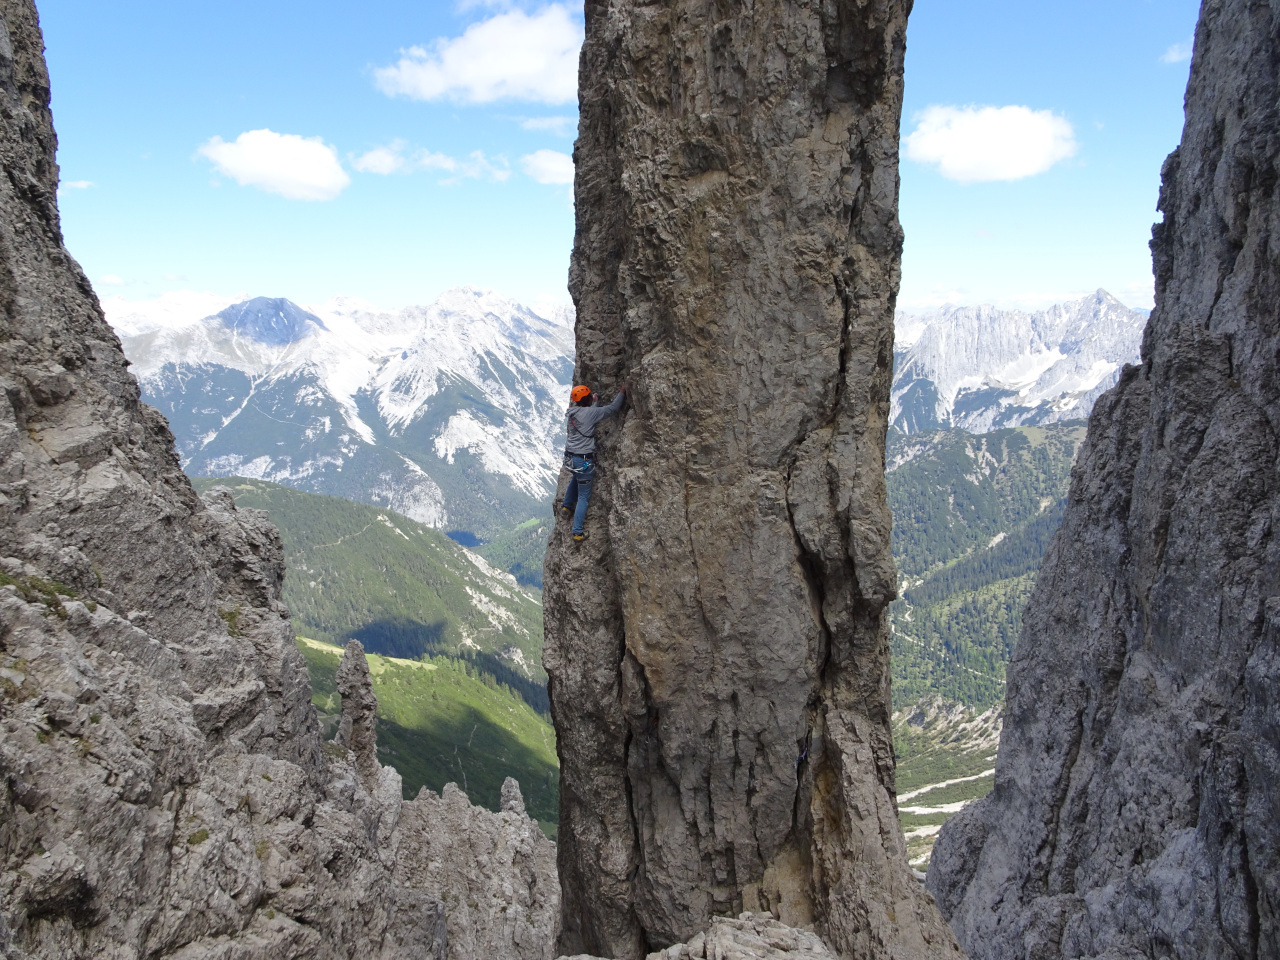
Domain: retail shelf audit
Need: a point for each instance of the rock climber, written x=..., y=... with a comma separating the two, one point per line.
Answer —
x=584, y=415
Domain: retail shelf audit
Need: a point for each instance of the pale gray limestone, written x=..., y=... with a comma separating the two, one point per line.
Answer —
x=164, y=789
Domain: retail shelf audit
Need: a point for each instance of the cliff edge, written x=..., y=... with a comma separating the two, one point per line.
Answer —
x=1137, y=790
x=717, y=649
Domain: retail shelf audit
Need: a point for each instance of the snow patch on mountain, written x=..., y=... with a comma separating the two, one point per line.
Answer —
x=399, y=408
x=980, y=368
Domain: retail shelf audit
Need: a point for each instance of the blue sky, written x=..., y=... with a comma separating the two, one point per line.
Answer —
x=392, y=150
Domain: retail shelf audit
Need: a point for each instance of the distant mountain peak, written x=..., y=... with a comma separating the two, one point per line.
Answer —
x=981, y=367
x=273, y=321
x=450, y=412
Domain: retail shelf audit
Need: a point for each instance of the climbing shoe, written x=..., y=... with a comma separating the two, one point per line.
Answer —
x=564, y=512
x=579, y=537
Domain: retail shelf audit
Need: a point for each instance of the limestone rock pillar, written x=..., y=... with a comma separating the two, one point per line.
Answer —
x=717, y=651
x=358, y=728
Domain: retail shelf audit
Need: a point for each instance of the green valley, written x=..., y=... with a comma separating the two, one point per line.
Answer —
x=973, y=516
x=454, y=646
x=946, y=756
x=442, y=720
x=401, y=588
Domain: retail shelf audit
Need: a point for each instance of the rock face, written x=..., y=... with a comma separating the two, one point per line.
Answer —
x=496, y=873
x=164, y=790
x=752, y=936
x=358, y=729
x=717, y=649
x=1137, y=789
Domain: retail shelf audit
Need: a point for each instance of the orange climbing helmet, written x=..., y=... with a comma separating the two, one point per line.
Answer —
x=579, y=393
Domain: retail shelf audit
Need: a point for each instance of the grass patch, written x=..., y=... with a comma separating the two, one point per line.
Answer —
x=913, y=821
x=922, y=761
x=50, y=593
x=442, y=720
x=955, y=793
x=231, y=618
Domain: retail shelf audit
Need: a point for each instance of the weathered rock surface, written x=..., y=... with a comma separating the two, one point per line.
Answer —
x=164, y=789
x=496, y=873
x=717, y=650
x=752, y=936
x=358, y=728
x=1137, y=791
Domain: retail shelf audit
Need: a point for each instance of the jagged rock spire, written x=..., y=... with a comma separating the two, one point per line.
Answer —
x=358, y=729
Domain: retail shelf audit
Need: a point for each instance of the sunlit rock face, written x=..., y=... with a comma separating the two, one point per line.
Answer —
x=1137, y=790
x=717, y=648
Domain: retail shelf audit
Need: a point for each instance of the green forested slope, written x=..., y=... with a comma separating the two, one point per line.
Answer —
x=520, y=551
x=442, y=720
x=401, y=588
x=455, y=648
x=973, y=516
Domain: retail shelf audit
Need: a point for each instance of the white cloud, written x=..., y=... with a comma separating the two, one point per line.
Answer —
x=560, y=126
x=383, y=160
x=75, y=185
x=514, y=56
x=548, y=166
x=476, y=166
x=299, y=168
x=111, y=280
x=1178, y=53
x=170, y=311
x=982, y=144
x=396, y=157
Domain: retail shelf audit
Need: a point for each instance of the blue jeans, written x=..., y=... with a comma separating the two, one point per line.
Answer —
x=575, y=498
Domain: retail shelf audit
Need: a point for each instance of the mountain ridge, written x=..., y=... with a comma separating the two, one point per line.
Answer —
x=449, y=413
x=980, y=368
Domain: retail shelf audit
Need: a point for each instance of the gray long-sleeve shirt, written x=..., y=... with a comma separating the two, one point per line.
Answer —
x=583, y=422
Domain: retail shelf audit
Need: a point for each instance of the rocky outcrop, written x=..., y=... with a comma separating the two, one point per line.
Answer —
x=752, y=936
x=164, y=789
x=358, y=728
x=1137, y=789
x=717, y=649
x=496, y=873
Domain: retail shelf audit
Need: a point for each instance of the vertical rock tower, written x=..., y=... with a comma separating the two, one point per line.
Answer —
x=1137, y=789
x=717, y=649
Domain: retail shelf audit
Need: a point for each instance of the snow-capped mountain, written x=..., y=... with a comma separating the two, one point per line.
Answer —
x=980, y=368
x=453, y=413
x=450, y=413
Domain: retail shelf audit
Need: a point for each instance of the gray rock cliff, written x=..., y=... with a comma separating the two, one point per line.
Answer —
x=1137, y=796
x=164, y=789
x=717, y=649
